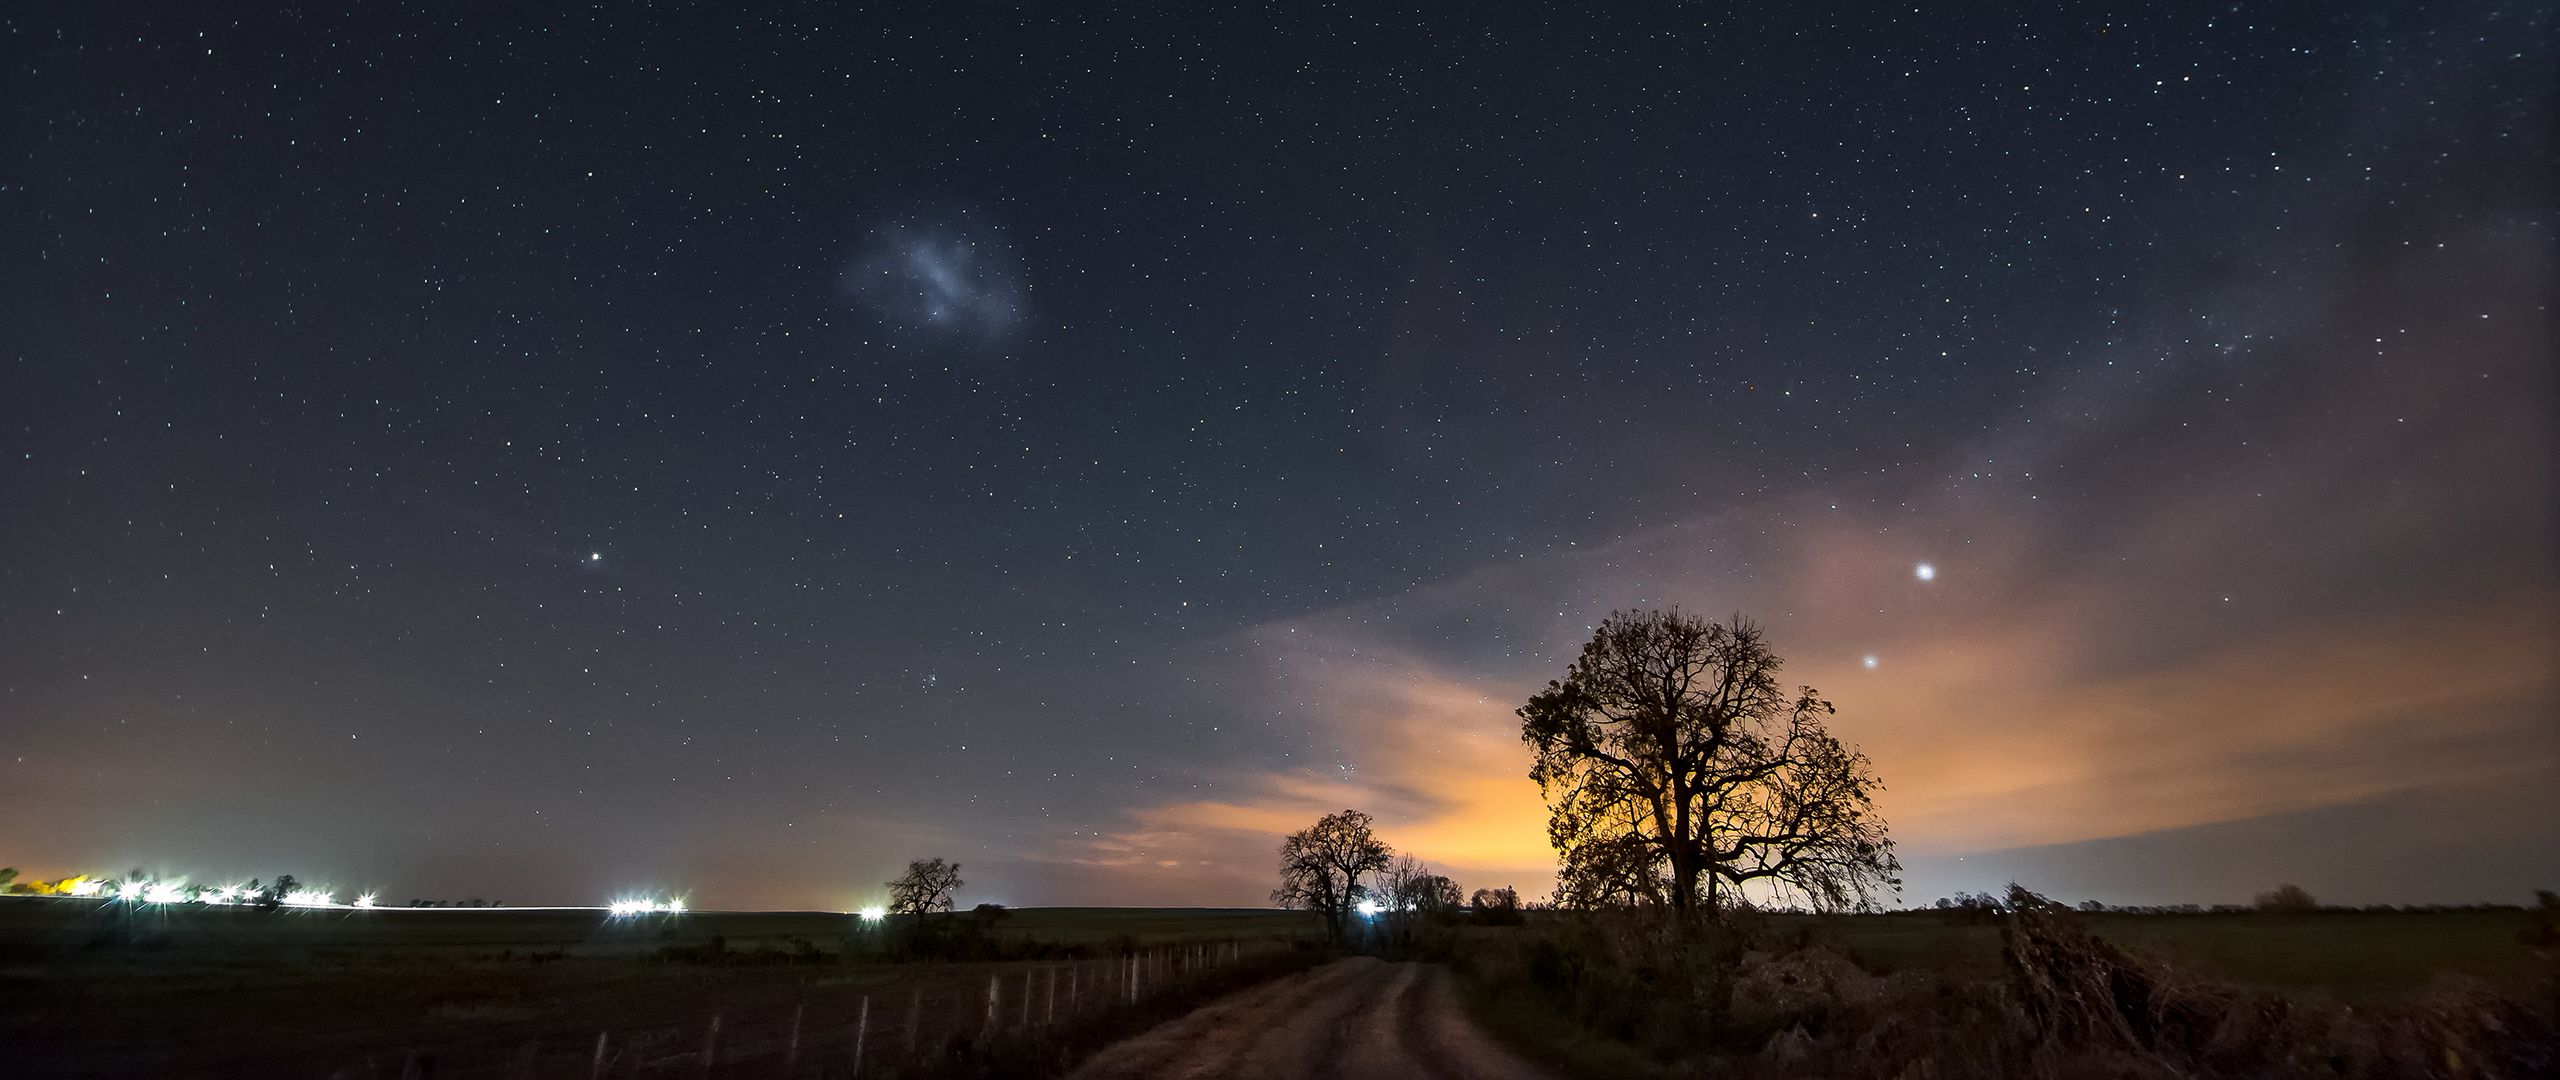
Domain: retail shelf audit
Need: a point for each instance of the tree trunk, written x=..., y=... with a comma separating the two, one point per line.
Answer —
x=1684, y=857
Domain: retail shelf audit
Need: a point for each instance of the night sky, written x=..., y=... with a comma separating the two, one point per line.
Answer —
x=549, y=454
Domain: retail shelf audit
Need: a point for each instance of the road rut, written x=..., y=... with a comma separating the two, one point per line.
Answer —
x=1359, y=1017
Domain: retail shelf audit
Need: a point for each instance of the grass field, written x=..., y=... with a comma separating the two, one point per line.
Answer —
x=1096, y=926
x=2346, y=956
x=92, y=988
x=98, y=989
x=53, y=926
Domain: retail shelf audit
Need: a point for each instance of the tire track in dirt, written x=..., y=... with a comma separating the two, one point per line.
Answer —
x=1358, y=1017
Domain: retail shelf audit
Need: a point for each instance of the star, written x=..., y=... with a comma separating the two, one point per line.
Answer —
x=1925, y=572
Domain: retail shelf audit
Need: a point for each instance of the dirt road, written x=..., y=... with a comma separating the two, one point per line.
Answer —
x=1360, y=1017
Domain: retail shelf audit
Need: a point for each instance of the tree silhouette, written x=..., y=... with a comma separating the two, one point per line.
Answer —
x=1496, y=907
x=928, y=885
x=2287, y=897
x=1431, y=895
x=1408, y=887
x=1676, y=771
x=1321, y=866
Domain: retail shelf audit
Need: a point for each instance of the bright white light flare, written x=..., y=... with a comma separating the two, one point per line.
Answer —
x=874, y=913
x=1369, y=909
x=1925, y=572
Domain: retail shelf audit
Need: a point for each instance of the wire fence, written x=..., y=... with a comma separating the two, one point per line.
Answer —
x=901, y=1020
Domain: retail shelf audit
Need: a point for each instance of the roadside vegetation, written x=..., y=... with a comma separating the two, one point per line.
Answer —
x=2040, y=990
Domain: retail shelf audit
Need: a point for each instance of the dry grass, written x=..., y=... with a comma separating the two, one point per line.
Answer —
x=1612, y=999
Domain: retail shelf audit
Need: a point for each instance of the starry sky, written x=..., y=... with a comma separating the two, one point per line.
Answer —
x=551, y=453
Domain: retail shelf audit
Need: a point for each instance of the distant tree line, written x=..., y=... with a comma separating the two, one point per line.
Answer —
x=1339, y=869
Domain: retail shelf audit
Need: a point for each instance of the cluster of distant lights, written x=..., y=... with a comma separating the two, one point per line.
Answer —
x=179, y=892
x=645, y=906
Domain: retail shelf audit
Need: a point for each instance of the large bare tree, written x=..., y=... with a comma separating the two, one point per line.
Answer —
x=928, y=885
x=1676, y=772
x=1321, y=867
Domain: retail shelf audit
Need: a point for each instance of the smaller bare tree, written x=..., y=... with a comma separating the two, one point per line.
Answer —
x=2287, y=898
x=928, y=885
x=1321, y=867
x=1418, y=891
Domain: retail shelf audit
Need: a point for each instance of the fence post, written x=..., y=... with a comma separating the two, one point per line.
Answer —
x=915, y=1011
x=711, y=1046
x=595, y=1071
x=791, y=1057
x=991, y=1002
x=861, y=1034
x=1052, y=1009
x=1026, y=997
x=1072, y=973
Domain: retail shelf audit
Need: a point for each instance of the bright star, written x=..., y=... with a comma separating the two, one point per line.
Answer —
x=595, y=556
x=1925, y=572
x=1871, y=663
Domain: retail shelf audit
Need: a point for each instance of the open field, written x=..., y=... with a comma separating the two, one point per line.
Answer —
x=2348, y=956
x=1153, y=926
x=30, y=924
x=91, y=988
x=95, y=989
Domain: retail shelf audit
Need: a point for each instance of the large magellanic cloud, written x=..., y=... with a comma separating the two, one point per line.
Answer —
x=948, y=276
